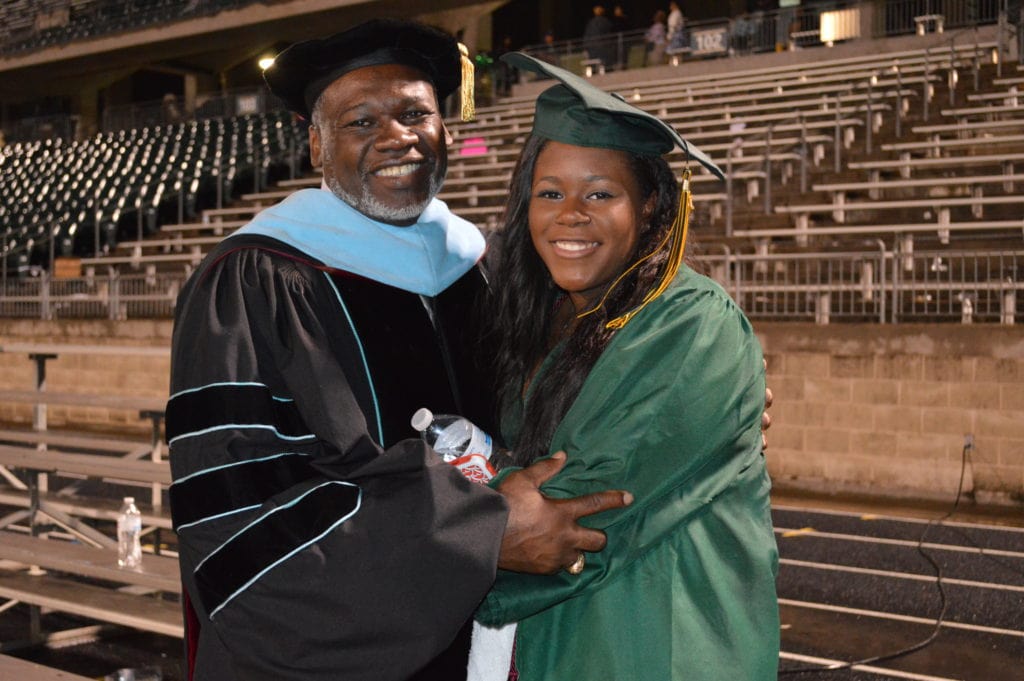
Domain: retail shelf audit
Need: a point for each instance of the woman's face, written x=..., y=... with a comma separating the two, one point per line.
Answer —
x=585, y=215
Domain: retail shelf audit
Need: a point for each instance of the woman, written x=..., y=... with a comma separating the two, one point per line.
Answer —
x=651, y=379
x=656, y=39
x=676, y=22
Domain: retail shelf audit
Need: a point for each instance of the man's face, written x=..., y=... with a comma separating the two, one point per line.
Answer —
x=381, y=141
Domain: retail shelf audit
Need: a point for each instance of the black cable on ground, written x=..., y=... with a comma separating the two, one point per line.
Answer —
x=938, y=583
x=988, y=556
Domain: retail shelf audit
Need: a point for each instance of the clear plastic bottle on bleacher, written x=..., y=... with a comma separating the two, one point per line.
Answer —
x=129, y=531
x=459, y=442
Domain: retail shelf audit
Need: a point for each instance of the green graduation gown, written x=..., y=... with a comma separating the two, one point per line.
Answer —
x=686, y=586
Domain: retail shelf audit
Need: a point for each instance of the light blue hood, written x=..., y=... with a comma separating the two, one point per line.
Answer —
x=425, y=258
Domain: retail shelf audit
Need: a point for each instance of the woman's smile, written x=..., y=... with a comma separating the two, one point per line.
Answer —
x=585, y=215
x=574, y=248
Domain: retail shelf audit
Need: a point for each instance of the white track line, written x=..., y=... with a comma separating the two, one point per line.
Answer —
x=811, y=532
x=898, y=575
x=826, y=663
x=901, y=618
x=876, y=516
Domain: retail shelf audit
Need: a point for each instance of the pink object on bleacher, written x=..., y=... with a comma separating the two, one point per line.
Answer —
x=473, y=146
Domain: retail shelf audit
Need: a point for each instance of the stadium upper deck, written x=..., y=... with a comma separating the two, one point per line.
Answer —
x=883, y=145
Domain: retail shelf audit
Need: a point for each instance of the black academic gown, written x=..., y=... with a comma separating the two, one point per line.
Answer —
x=319, y=538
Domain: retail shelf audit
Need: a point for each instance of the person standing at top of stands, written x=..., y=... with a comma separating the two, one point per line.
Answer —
x=547, y=51
x=319, y=538
x=169, y=108
x=597, y=37
x=505, y=76
x=655, y=38
x=620, y=21
x=675, y=25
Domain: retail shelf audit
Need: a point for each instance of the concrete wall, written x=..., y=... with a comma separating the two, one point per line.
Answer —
x=885, y=409
x=98, y=374
x=865, y=408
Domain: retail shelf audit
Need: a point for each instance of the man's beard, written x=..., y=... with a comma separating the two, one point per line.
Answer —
x=367, y=204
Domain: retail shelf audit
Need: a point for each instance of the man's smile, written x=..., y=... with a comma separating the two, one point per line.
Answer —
x=398, y=170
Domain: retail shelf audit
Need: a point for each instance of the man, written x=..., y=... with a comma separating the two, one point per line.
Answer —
x=319, y=539
x=620, y=21
x=597, y=37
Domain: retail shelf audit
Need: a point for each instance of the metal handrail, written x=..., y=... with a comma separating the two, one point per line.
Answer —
x=881, y=286
x=856, y=286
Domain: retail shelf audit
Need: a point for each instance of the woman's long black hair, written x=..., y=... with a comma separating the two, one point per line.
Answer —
x=525, y=298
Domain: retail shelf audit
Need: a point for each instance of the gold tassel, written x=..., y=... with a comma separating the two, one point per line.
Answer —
x=677, y=235
x=468, y=81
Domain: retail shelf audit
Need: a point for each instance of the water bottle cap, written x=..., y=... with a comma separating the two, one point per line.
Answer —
x=422, y=418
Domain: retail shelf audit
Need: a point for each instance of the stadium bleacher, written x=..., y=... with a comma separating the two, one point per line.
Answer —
x=874, y=188
x=82, y=197
x=27, y=26
x=788, y=136
x=803, y=106
x=154, y=200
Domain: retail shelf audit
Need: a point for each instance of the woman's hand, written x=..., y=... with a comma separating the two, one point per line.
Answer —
x=766, y=419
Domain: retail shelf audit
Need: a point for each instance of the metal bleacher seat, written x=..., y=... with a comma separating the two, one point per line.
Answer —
x=93, y=193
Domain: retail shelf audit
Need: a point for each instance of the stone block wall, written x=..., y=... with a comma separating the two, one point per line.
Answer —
x=887, y=409
x=87, y=374
x=867, y=408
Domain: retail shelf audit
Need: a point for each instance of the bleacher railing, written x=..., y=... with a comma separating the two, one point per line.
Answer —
x=879, y=286
x=33, y=128
x=115, y=296
x=903, y=17
x=171, y=110
x=788, y=28
x=875, y=286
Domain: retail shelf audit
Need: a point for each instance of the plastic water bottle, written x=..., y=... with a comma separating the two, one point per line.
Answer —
x=129, y=530
x=137, y=674
x=458, y=441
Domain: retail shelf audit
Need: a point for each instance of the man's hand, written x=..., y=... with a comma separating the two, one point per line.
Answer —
x=542, y=535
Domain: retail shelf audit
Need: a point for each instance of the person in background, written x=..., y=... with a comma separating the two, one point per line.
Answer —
x=505, y=75
x=548, y=52
x=612, y=348
x=620, y=22
x=656, y=39
x=319, y=537
x=597, y=37
x=1015, y=16
x=676, y=23
x=170, y=110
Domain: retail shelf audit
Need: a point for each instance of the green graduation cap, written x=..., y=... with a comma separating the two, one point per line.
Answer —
x=576, y=112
